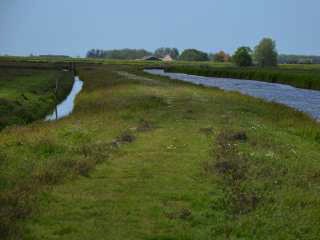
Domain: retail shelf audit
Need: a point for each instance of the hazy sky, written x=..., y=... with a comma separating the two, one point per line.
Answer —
x=74, y=26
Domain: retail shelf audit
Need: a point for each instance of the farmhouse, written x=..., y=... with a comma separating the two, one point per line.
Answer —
x=151, y=58
x=167, y=58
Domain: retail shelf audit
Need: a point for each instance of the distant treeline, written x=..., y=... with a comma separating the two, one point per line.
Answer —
x=131, y=54
x=190, y=55
x=121, y=54
x=298, y=59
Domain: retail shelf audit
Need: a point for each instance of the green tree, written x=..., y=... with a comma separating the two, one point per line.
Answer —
x=265, y=53
x=220, y=57
x=242, y=57
x=193, y=55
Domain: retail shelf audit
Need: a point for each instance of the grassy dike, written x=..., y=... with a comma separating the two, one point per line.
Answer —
x=143, y=157
x=27, y=93
x=301, y=76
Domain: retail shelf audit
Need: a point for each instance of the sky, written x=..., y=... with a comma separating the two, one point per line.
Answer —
x=72, y=27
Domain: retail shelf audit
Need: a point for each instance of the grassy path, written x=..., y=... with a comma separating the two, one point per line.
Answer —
x=145, y=158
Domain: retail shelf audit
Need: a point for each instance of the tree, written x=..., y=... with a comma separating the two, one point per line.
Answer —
x=123, y=54
x=265, y=53
x=242, y=57
x=193, y=55
x=162, y=52
x=221, y=57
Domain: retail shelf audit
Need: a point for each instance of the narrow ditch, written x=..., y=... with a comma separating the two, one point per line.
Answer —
x=65, y=108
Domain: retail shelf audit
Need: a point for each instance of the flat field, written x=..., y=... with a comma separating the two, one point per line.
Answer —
x=145, y=157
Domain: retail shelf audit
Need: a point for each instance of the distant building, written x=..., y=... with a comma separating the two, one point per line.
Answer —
x=151, y=58
x=167, y=58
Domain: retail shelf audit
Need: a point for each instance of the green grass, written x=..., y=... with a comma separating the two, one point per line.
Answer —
x=144, y=157
x=301, y=76
x=301, y=66
x=28, y=94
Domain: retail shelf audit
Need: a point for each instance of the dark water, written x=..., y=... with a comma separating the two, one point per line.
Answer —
x=304, y=100
x=65, y=108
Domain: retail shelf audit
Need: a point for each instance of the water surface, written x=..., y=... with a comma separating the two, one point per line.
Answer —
x=307, y=101
x=65, y=108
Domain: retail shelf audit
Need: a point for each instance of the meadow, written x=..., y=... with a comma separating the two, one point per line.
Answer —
x=145, y=157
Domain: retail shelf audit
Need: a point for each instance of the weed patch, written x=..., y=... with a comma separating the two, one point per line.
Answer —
x=144, y=126
x=82, y=167
x=233, y=168
x=15, y=204
x=182, y=214
x=99, y=151
x=230, y=136
x=206, y=131
x=126, y=137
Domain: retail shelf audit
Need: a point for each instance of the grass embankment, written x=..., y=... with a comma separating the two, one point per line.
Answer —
x=28, y=94
x=297, y=76
x=159, y=159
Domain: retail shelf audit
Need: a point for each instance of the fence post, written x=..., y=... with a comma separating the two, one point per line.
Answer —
x=56, y=94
